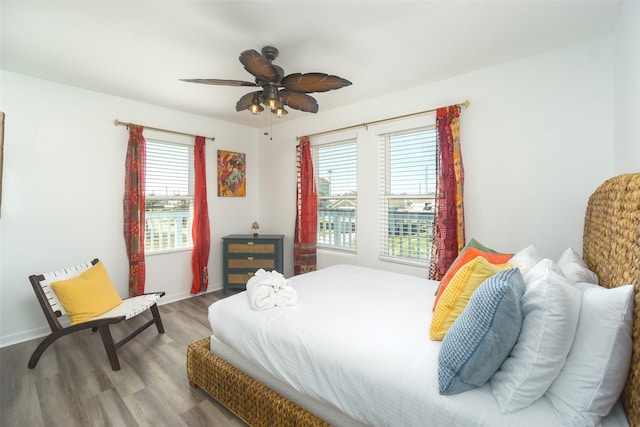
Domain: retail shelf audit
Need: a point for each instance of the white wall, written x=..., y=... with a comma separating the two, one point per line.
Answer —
x=537, y=139
x=626, y=71
x=63, y=187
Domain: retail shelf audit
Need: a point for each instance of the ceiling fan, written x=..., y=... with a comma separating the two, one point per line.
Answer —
x=278, y=90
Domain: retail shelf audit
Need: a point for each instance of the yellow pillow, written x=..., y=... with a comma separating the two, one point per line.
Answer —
x=457, y=293
x=88, y=295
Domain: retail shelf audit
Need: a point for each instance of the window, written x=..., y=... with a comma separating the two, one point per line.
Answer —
x=169, y=196
x=335, y=172
x=407, y=194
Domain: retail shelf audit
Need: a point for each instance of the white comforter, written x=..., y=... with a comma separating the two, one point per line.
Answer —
x=358, y=340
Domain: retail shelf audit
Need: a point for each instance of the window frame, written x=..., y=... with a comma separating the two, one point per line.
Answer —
x=416, y=222
x=166, y=247
x=317, y=144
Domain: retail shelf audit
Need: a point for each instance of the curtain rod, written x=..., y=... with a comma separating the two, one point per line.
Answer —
x=464, y=104
x=119, y=123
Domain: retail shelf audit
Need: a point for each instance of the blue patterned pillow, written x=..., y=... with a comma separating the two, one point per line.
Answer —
x=483, y=335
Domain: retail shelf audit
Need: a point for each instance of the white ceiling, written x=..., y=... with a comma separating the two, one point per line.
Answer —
x=139, y=49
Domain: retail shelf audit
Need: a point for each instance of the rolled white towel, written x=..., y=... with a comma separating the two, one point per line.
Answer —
x=269, y=289
x=275, y=279
x=286, y=295
x=260, y=291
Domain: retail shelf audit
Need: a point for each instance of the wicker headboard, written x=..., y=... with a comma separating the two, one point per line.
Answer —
x=611, y=248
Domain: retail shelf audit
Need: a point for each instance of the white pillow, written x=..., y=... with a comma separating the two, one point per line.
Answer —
x=525, y=259
x=551, y=306
x=575, y=269
x=597, y=366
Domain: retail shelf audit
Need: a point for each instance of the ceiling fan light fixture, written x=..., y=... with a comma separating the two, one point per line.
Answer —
x=255, y=106
x=280, y=111
x=256, y=109
x=271, y=97
x=272, y=103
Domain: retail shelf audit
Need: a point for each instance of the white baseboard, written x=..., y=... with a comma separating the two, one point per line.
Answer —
x=167, y=299
x=23, y=336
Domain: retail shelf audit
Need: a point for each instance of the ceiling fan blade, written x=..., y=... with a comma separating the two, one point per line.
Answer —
x=313, y=82
x=299, y=101
x=244, y=102
x=259, y=66
x=219, y=82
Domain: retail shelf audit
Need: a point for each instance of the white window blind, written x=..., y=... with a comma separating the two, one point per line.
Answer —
x=169, y=188
x=407, y=162
x=335, y=172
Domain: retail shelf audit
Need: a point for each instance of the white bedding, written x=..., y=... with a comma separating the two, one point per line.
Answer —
x=378, y=369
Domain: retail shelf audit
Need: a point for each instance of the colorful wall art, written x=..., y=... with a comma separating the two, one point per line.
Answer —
x=231, y=174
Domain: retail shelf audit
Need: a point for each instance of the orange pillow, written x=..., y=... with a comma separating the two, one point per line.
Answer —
x=456, y=295
x=464, y=257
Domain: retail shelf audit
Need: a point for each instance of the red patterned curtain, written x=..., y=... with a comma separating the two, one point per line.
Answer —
x=200, y=230
x=306, y=233
x=448, y=226
x=135, y=170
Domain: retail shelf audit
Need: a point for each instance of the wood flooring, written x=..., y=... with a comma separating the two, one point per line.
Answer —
x=73, y=384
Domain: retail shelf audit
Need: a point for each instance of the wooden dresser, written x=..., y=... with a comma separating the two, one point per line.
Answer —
x=243, y=255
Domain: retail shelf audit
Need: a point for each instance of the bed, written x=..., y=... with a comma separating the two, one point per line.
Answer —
x=267, y=381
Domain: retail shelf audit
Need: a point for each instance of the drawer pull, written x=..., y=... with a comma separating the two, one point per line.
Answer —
x=250, y=258
x=250, y=243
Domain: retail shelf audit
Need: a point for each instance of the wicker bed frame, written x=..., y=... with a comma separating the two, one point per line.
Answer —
x=611, y=248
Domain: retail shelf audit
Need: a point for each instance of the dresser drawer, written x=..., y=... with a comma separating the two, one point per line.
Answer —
x=251, y=248
x=239, y=278
x=252, y=262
